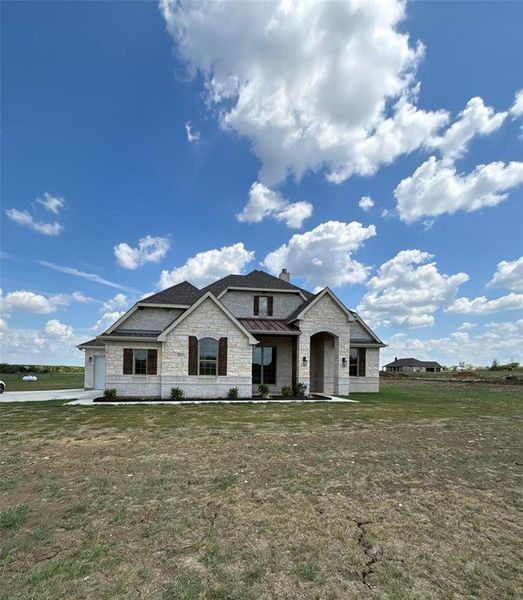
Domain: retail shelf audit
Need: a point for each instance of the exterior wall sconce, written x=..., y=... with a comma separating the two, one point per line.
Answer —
x=343, y=362
x=90, y=360
x=304, y=361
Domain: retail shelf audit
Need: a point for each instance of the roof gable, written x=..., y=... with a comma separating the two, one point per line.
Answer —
x=207, y=296
x=184, y=293
x=300, y=312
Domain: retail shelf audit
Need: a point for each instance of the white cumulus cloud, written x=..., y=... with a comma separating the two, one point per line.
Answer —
x=407, y=290
x=516, y=109
x=51, y=203
x=58, y=330
x=476, y=119
x=264, y=202
x=509, y=275
x=205, y=267
x=482, y=306
x=436, y=188
x=314, y=86
x=193, y=136
x=26, y=219
x=366, y=203
x=323, y=256
x=26, y=301
x=150, y=249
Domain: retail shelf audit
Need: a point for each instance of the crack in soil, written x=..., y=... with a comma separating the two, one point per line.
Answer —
x=372, y=554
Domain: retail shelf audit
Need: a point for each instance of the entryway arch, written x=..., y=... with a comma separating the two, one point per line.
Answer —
x=324, y=351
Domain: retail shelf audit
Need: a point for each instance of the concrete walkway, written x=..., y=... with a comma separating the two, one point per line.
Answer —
x=42, y=395
x=325, y=399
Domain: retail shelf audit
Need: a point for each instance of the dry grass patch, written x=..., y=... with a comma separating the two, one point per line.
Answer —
x=412, y=494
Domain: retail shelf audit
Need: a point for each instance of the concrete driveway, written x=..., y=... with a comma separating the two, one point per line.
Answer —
x=41, y=395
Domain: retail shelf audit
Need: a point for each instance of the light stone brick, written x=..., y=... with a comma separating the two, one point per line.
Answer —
x=150, y=318
x=241, y=304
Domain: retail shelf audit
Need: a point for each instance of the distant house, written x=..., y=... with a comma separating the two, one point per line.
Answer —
x=405, y=365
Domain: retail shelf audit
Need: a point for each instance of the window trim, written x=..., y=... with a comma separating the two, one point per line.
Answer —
x=275, y=367
x=208, y=360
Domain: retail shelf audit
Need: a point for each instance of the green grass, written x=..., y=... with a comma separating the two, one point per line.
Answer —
x=13, y=517
x=46, y=381
x=413, y=493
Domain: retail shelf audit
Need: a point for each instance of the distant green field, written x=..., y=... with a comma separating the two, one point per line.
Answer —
x=46, y=381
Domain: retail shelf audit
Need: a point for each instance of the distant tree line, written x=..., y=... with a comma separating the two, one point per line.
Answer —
x=14, y=369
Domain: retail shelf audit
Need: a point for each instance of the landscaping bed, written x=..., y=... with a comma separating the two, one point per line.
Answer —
x=102, y=399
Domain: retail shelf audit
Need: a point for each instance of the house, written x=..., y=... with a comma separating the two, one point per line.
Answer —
x=240, y=331
x=404, y=365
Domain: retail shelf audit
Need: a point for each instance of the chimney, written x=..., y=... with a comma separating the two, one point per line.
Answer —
x=395, y=358
x=285, y=275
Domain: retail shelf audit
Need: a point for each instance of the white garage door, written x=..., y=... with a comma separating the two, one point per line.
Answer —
x=99, y=372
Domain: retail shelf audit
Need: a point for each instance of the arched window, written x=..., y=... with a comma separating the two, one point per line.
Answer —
x=208, y=356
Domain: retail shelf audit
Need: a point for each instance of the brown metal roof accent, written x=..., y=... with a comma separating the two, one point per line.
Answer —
x=268, y=326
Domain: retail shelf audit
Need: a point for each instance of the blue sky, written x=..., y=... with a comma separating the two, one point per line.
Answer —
x=286, y=136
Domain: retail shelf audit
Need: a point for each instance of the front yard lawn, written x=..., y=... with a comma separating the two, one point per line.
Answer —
x=46, y=381
x=411, y=494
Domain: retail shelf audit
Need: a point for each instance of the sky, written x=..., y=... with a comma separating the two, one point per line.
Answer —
x=375, y=148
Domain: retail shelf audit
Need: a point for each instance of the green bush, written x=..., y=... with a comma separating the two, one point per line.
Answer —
x=177, y=393
x=110, y=393
x=299, y=390
x=232, y=394
x=263, y=388
x=287, y=391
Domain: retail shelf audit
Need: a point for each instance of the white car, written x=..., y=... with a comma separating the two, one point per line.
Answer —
x=29, y=378
x=2, y=387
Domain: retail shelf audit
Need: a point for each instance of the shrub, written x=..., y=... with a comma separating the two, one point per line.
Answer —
x=299, y=390
x=263, y=388
x=232, y=394
x=287, y=391
x=110, y=393
x=177, y=393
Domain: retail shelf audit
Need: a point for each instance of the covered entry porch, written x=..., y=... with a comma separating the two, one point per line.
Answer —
x=324, y=363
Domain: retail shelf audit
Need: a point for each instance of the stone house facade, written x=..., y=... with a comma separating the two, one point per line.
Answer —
x=239, y=332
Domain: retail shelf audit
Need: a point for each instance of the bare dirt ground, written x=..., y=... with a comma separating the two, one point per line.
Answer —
x=413, y=493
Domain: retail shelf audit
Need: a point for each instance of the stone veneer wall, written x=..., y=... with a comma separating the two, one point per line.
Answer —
x=151, y=318
x=241, y=304
x=327, y=316
x=89, y=366
x=208, y=320
x=131, y=385
x=371, y=381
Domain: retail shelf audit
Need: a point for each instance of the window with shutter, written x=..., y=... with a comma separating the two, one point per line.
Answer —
x=152, y=362
x=127, y=361
x=222, y=356
x=361, y=362
x=193, y=355
x=256, y=310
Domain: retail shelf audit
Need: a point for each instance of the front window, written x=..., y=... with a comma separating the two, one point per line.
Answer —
x=263, y=306
x=208, y=356
x=263, y=364
x=140, y=362
x=357, y=362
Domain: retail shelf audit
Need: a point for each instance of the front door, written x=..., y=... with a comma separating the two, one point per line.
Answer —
x=99, y=372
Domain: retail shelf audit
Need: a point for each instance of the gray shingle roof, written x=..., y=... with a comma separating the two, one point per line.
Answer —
x=92, y=344
x=412, y=362
x=296, y=312
x=182, y=293
x=254, y=279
